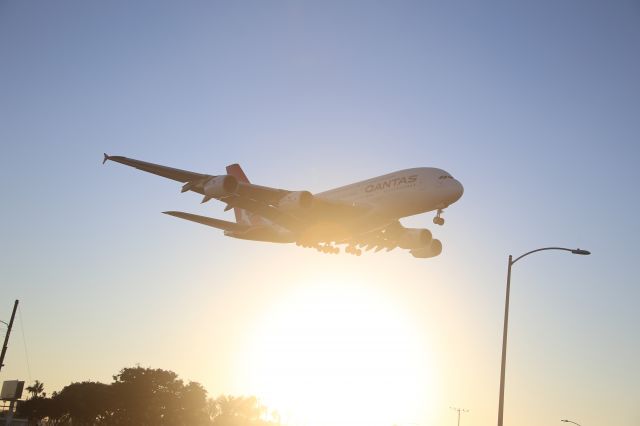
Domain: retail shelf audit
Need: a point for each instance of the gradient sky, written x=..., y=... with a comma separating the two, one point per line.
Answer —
x=533, y=106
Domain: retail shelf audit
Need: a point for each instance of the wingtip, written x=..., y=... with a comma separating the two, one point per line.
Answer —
x=173, y=213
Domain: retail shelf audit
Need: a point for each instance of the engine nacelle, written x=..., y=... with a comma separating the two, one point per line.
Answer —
x=220, y=186
x=414, y=238
x=432, y=250
x=298, y=200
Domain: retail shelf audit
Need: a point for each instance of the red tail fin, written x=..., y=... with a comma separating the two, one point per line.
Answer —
x=236, y=171
x=242, y=216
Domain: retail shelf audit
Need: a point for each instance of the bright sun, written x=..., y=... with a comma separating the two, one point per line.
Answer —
x=339, y=354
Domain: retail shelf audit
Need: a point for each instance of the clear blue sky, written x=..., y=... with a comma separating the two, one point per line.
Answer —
x=533, y=106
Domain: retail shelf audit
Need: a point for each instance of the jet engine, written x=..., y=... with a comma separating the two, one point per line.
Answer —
x=296, y=200
x=414, y=238
x=220, y=186
x=432, y=250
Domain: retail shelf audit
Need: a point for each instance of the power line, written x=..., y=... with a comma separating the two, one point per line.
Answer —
x=24, y=342
x=459, y=410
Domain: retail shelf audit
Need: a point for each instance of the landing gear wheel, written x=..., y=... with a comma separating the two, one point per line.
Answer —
x=351, y=249
x=438, y=220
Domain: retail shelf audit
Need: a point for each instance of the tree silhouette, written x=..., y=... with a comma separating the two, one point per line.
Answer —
x=84, y=404
x=141, y=397
x=238, y=411
x=35, y=408
x=148, y=397
x=36, y=389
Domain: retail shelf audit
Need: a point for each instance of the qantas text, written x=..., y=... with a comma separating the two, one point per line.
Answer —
x=391, y=183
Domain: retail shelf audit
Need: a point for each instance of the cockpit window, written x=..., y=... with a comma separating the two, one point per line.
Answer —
x=445, y=177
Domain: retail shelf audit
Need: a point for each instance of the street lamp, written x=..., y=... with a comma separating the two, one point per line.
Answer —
x=506, y=318
x=569, y=421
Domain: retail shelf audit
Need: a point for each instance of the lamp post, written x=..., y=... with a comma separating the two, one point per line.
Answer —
x=506, y=318
x=569, y=421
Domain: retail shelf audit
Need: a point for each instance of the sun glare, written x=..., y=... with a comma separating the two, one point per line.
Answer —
x=337, y=353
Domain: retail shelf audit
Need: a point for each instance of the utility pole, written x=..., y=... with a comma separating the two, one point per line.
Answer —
x=6, y=336
x=459, y=410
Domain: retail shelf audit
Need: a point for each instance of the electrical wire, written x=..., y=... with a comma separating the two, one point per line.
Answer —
x=24, y=342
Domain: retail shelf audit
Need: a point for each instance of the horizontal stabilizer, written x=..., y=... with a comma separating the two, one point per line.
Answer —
x=209, y=221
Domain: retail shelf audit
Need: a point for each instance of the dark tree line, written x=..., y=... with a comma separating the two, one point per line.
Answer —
x=141, y=397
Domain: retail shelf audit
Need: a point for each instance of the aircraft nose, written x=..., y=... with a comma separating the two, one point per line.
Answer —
x=456, y=191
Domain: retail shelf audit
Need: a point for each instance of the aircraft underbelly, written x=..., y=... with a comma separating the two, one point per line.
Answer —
x=403, y=203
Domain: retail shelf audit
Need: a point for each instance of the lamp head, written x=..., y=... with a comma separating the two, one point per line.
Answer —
x=584, y=253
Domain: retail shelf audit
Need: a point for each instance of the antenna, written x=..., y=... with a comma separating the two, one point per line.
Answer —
x=459, y=410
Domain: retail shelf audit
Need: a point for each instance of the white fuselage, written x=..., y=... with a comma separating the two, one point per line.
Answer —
x=400, y=194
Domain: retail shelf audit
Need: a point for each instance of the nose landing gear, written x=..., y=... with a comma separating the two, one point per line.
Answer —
x=438, y=220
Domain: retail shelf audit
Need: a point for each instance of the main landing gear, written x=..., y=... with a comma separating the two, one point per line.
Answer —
x=353, y=250
x=438, y=220
x=324, y=248
x=328, y=248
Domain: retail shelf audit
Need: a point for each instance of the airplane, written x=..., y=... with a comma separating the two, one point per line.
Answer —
x=361, y=216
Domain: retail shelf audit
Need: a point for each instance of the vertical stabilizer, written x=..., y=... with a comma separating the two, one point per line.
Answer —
x=242, y=216
x=236, y=171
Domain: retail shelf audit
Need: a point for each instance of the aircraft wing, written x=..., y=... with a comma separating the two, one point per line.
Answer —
x=156, y=169
x=267, y=211
x=194, y=181
x=261, y=200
